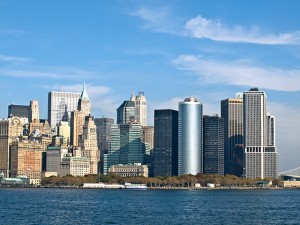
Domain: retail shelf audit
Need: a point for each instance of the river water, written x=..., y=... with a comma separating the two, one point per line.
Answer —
x=96, y=206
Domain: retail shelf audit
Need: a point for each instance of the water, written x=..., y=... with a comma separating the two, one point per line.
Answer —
x=95, y=206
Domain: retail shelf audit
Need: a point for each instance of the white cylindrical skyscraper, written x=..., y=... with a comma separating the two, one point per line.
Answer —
x=190, y=137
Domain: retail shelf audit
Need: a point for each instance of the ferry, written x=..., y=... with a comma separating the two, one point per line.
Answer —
x=135, y=186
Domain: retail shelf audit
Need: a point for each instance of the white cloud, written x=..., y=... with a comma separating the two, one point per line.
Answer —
x=240, y=73
x=158, y=19
x=51, y=73
x=201, y=27
x=13, y=59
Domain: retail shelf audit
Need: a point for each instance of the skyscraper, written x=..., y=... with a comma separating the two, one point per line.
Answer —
x=88, y=144
x=126, y=112
x=232, y=113
x=103, y=126
x=261, y=158
x=141, y=109
x=213, y=145
x=125, y=146
x=84, y=102
x=57, y=102
x=190, y=137
x=10, y=130
x=30, y=112
x=165, y=153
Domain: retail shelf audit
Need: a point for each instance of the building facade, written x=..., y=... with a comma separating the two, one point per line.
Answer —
x=75, y=166
x=165, y=153
x=261, y=158
x=232, y=113
x=190, y=137
x=31, y=112
x=84, y=103
x=126, y=112
x=130, y=170
x=213, y=145
x=10, y=130
x=26, y=160
x=141, y=109
x=58, y=102
x=88, y=144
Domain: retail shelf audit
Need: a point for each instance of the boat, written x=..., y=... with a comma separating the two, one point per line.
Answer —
x=135, y=186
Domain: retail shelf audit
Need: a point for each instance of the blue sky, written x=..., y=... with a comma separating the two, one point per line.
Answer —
x=168, y=49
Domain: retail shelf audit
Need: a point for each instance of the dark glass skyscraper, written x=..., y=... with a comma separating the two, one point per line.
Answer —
x=213, y=145
x=165, y=153
x=232, y=113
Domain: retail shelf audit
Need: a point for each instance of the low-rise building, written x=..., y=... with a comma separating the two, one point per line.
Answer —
x=129, y=170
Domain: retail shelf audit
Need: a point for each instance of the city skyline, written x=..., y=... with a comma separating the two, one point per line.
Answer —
x=169, y=50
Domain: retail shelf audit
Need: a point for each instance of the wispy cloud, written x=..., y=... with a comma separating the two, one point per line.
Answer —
x=158, y=19
x=240, y=73
x=201, y=27
x=13, y=59
x=51, y=73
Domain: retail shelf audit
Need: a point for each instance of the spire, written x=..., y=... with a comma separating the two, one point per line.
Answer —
x=84, y=94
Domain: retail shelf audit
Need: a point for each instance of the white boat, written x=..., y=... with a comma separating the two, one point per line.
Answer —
x=135, y=186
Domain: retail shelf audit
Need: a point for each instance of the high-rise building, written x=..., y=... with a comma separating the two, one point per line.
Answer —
x=126, y=112
x=31, y=112
x=232, y=113
x=141, y=109
x=10, y=130
x=58, y=102
x=126, y=146
x=88, y=144
x=190, y=137
x=148, y=139
x=26, y=160
x=84, y=102
x=213, y=145
x=165, y=153
x=261, y=158
x=103, y=126
x=54, y=155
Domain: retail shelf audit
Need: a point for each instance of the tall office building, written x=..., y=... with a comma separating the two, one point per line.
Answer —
x=213, y=145
x=165, y=153
x=84, y=102
x=126, y=112
x=190, y=137
x=58, y=102
x=88, y=144
x=261, y=158
x=103, y=126
x=232, y=113
x=141, y=109
x=10, y=130
x=126, y=146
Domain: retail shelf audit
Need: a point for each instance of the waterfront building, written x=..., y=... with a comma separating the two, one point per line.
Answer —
x=75, y=166
x=58, y=102
x=130, y=170
x=165, y=153
x=190, y=137
x=213, y=145
x=261, y=157
x=232, y=114
x=88, y=144
x=54, y=156
x=63, y=130
x=103, y=126
x=26, y=160
x=126, y=146
x=30, y=112
x=10, y=129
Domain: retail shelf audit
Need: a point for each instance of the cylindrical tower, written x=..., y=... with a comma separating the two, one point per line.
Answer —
x=190, y=137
